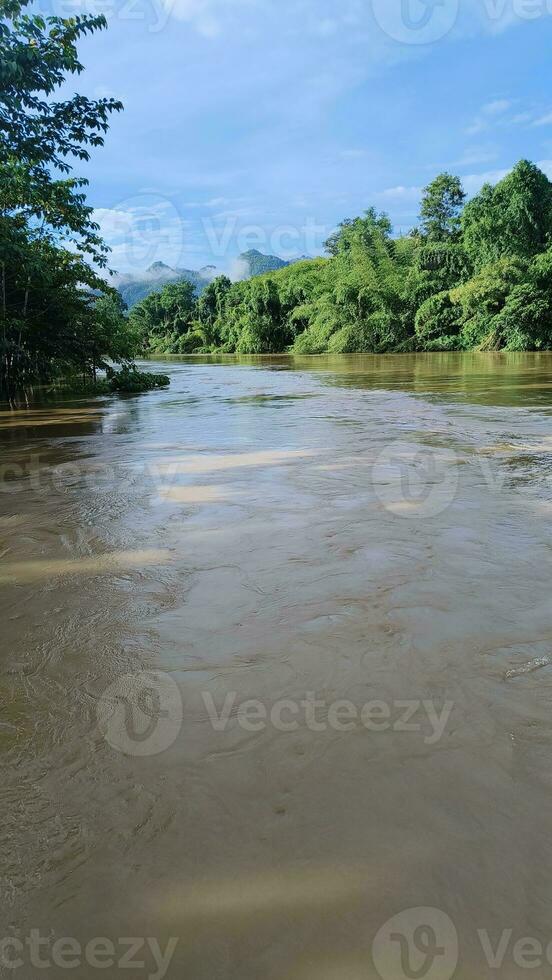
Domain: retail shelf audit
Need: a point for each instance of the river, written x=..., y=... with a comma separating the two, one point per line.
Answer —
x=276, y=673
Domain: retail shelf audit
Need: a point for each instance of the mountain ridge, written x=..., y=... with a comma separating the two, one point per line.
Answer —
x=134, y=288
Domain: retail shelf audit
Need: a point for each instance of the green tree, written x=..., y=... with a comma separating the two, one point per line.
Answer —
x=47, y=235
x=514, y=218
x=483, y=297
x=440, y=209
x=264, y=329
x=438, y=323
x=210, y=311
x=112, y=337
x=354, y=230
x=164, y=318
x=525, y=322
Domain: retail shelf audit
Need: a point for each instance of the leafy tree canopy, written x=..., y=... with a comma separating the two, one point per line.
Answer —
x=471, y=276
x=50, y=247
x=442, y=202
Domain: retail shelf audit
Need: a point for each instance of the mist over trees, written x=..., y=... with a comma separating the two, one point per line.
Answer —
x=471, y=276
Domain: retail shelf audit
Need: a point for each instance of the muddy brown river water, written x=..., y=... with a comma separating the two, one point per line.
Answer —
x=276, y=674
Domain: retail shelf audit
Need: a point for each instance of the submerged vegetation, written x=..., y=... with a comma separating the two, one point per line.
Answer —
x=472, y=276
x=129, y=381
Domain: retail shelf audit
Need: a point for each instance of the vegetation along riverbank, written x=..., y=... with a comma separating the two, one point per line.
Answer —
x=473, y=275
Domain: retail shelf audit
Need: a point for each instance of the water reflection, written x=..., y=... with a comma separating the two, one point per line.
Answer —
x=491, y=379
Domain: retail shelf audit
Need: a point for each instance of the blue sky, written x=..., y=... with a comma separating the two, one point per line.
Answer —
x=263, y=123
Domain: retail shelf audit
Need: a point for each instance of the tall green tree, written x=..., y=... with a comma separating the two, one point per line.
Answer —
x=441, y=206
x=365, y=229
x=513, y=218
x=162, y=319
x=50, y=247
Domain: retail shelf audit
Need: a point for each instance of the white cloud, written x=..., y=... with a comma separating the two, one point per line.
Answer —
x=497, y=107
x=488, y=114
x=142, y=230
x=112, y=222
x=496, y=115
x=238, y=270
x=543, y=120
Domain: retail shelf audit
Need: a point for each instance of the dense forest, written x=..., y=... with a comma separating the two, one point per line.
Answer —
x=474, y=275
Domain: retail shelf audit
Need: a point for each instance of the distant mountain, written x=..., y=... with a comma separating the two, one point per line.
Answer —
x=134, y=288
x=255, y=263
